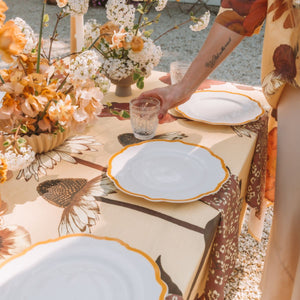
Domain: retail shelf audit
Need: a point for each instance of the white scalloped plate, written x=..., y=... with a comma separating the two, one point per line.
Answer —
x=81, y=267
x=169, y=171
x=221, y=108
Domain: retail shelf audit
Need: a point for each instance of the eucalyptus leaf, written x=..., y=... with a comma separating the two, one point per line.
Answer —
x=136, y=76
x=140, y=83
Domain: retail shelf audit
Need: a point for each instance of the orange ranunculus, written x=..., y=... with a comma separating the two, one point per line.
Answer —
x=61, y=3
x=107, y=30
x=3, y=9
x=12, y=41
x=137, y=44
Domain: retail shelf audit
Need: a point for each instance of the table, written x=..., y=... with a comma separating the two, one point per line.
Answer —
x=194, y=244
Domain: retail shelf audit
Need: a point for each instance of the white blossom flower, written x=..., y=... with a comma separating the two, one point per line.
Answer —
x=77, y=7
x=117, y=68
x=202, y=22
x=102, y=82
x=84, y=66
x=120, y=13
x=29, y=35
x=150, y=54
x=161, y=5
x=91, y=32
x=20, y=159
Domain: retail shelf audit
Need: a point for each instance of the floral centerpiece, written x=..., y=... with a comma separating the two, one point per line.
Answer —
x=128, y=52
x=41, y=96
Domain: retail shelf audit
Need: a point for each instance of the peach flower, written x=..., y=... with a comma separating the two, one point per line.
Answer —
x=137, y=44
x=12, y=41
x=118, y=39
x=61, y=3
x=107, y=30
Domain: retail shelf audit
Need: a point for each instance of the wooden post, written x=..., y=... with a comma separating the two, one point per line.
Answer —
x=77, y=33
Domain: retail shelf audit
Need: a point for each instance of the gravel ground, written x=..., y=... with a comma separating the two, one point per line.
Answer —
x=242, y=66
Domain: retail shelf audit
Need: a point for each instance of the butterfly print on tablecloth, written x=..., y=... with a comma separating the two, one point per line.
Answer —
x=77, y=196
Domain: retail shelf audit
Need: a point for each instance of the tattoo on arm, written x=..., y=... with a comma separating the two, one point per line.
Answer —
x=214, y=58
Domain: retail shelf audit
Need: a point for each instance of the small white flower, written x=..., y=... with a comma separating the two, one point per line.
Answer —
x=161, y=5
x=120, y=13
x=21, y=159
x=202, y=22
x=117, y=68
x=84, y=66
x=91, y=32
x=77, y=7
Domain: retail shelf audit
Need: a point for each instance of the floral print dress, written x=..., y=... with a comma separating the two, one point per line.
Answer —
x=280, y=59
x=280, y=67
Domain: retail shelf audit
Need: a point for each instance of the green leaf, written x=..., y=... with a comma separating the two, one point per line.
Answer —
x=136, y=76
x=148, y=33
x=23, y=128
x=46, y=18
x=21, y=141
x=6, y=143
x=125, y=114
x=114, y=112
x=140, y=83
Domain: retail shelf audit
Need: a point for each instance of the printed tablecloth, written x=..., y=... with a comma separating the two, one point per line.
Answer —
x=195, y=244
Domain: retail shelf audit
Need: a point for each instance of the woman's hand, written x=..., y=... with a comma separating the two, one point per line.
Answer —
x=169, y=97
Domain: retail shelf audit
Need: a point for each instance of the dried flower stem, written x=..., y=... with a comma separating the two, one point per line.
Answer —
x=62, y=83
x=141, y=15
x=40, y=38
x=59, y=17
x=173, y=28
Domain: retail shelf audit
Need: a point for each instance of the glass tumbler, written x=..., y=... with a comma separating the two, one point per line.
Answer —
x=144, y=117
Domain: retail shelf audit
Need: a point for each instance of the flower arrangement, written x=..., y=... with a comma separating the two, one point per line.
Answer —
x=124, y=42
x=39, y=94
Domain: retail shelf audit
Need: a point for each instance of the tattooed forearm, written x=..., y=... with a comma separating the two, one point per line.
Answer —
x=214, y=58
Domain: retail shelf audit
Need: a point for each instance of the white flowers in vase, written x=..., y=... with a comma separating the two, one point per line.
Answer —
x=124, y=42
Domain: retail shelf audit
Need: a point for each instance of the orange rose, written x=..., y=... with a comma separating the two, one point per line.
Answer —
x=107, y=30
x=12, y=41
x=137, y=44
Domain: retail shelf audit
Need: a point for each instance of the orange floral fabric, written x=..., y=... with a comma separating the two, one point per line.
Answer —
x=280, y=59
